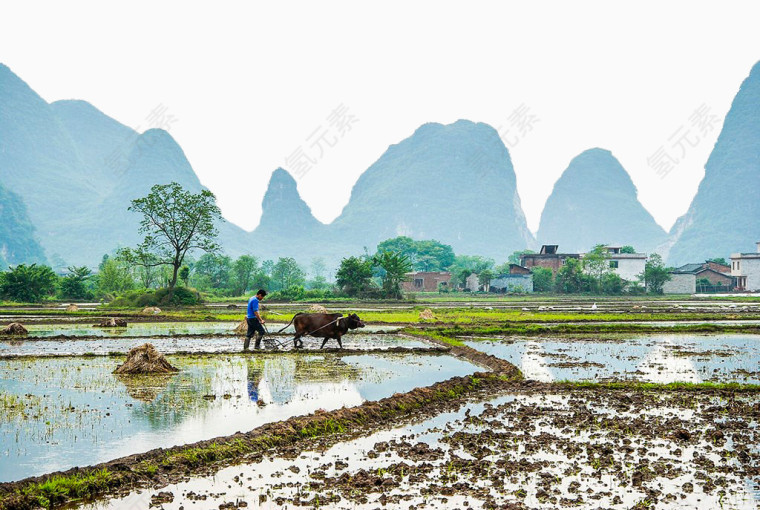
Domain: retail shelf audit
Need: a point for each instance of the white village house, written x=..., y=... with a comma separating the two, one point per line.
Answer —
x=745, y=268
x=627, y=266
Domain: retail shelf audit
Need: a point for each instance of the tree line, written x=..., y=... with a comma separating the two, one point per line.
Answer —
x=179, y=226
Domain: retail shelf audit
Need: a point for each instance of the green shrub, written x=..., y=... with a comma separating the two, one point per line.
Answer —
x=183, y=296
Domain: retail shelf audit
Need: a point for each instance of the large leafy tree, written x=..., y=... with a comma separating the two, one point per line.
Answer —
x=596, y=263
x=571, y=278
x=244, y=271
x=484, y=279
x=287, y=273
x=29, y=284
x=395, y=266
x=543, y=279
x=354, y=275
x=426, y=255
x=655, y=274
x=174, y=222
x=74, y=284
x=465, y=265
x=213, y=270
x=114, y=277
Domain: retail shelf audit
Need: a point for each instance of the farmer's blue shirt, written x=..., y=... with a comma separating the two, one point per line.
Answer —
x=253, y=307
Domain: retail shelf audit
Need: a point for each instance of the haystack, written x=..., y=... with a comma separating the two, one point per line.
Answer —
x=151, y=310
x=72, y=308
x=112, y=323
x=427, y=315
x=145, y=359
x=317, y=309
x=14, y=328
x=241, y=328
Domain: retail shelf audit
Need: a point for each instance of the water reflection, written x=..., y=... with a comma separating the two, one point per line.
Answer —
x=59, y=412
x=655, y=358
x=145, y=388
x=662, y=365
x=533, y=363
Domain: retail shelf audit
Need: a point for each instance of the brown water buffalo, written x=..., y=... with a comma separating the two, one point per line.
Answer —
x=323, y=325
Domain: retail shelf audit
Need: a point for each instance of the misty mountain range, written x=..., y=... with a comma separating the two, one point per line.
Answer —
x=68, y=173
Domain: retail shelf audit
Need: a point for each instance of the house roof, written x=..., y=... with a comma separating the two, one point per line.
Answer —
x=688, y=268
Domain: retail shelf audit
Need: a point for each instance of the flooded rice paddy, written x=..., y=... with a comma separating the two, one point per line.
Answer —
x=659, y=358
x=521, y=450
x=144, y=329
x=56, y=413
x=179, y=344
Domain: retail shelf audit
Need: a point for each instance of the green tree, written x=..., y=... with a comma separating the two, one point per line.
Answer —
x=484, y=279
x=433, y=256
x=184, y=274
x=718, y=260
x=543, y=279
x=627, y=249
x=571, y=278
x=145, y=267
x=354, y=276
x=213, y=271
x=465, y=265
x=655, y=274
x=114, y=277
x=174, y=222
x=74, y=284
x=28, y=284
x=287, y=273
x=426, y=255
x=244, y=271
x=267, y=266
x=596, y=263
x=395, y=266
x=401, y=244
x=613, y=284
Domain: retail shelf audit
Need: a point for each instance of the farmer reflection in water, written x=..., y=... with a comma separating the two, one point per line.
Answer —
x=254, y=380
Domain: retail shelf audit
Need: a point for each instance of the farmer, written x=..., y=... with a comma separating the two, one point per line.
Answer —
x=254, y=320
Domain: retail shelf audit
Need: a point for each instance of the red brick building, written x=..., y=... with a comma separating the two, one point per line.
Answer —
x=426, y=281
x=547, y=257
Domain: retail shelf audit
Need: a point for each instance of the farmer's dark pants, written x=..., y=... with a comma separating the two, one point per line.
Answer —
x=254, y=326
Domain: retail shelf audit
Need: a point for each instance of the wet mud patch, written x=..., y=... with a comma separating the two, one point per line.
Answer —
x=534, y=446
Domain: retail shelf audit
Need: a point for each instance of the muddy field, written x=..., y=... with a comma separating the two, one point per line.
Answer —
x=402, y=418
x=533, y=447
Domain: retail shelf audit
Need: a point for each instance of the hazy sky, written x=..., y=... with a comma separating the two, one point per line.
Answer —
x=243, y=86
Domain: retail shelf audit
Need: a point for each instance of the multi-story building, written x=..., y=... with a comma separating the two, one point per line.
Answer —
x=627, y=266
x=547, y=257
x=745, y=268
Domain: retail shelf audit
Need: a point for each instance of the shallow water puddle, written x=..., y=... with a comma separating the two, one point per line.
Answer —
x=546, y=451
x=649, y=358
x=59, y=412
x=222, y=344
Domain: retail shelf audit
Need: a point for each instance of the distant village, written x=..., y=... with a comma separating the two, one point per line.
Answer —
x=742, y=275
